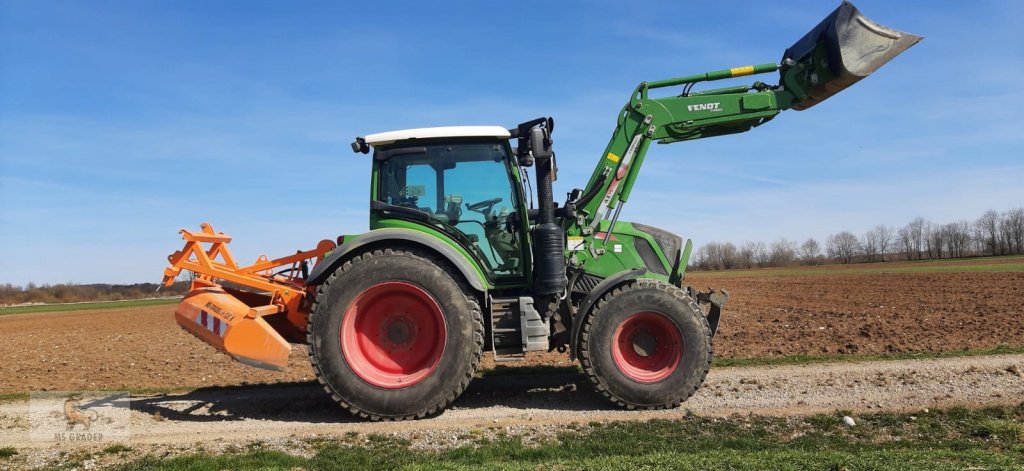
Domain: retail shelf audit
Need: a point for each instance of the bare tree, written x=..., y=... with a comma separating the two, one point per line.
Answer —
x=906, y=241
x=987, y=229
x=702, y=257
x=706, y=256
x=876, y=242
x=992, y=233
x=809, y=251
x=869, y=245
x=911, y=238
x=727, y=256
x=956, y=236
x=745, y=255
x=1005, y=236
x=716, y=256
x=934, y=238
x=843, y=246
x=917, y=229
x=761, y=254
x=1012, y=225
x=885, y=235
x=783, y=253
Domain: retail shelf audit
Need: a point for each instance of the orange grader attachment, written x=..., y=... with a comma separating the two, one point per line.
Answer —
x=250, y=313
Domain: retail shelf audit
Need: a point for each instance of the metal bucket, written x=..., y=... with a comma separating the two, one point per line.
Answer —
x=844, y=48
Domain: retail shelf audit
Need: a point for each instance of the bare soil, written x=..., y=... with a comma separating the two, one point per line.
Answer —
x=868, y=313
x=133, y=348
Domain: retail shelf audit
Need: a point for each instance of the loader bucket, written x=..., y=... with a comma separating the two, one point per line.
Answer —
x=844, y=48
x=230, y=326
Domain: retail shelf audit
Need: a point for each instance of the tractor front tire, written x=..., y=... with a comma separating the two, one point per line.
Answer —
x=393, y=336
x=646, y=345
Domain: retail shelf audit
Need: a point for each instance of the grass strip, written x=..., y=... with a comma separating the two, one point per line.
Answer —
x=954, y=439
x=148, y=391
x=10, y=397
x=86, y=306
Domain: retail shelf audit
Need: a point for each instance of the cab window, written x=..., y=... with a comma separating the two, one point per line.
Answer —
x=465, y=190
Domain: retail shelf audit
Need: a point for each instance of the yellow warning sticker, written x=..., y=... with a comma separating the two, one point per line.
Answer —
x=613, y=157
x=575, y=243
x=741, y=71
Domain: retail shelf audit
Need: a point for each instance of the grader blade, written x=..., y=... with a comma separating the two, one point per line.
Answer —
x=841, y=50
x=231, y=326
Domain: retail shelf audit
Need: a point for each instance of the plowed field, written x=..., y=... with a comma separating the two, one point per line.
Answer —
x=869, y=313
x=767, y=316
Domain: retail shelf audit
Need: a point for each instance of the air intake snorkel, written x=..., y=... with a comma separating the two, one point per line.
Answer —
x=548, y=237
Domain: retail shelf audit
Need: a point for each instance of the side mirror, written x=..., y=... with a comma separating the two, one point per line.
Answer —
x=359, y=146
x=540, y=143
x=534, y=140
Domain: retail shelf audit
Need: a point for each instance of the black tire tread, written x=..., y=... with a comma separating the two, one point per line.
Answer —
x=478, y=331
x=584, y=351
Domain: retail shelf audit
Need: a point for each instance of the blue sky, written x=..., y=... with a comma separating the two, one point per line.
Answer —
x=121, y=122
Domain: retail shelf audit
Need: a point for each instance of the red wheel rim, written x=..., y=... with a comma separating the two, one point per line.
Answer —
x=647, y=347
x=393, y=335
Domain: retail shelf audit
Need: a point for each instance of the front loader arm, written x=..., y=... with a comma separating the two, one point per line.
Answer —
x=841, y=50
x=672, y=119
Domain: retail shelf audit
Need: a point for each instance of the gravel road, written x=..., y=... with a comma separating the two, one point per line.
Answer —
x=243, y=414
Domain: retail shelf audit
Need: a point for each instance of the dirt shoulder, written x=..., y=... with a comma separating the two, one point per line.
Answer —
x=242, y=414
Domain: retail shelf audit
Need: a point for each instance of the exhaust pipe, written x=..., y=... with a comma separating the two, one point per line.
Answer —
x=841, y=50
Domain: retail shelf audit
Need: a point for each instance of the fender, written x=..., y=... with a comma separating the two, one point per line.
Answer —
x=324, y=269
x=588, y=302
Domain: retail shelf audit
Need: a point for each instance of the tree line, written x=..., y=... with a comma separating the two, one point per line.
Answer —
x=74, y=293
x=992, y=234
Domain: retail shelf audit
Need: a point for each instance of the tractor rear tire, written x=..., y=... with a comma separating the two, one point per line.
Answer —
x=646, y=345
x=393, y=336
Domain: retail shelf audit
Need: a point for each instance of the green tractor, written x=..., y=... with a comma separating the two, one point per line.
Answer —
x=459, y=260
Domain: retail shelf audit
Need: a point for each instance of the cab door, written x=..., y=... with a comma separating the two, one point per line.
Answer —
x=464, y=189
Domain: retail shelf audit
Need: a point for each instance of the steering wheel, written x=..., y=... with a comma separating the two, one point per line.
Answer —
x=484, y=207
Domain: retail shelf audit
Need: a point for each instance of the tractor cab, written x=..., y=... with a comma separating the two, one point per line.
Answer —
x=460, y=181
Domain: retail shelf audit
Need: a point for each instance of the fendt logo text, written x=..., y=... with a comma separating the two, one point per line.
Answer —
x=716, y=106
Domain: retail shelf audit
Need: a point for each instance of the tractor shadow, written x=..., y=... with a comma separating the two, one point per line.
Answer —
x=550, y=388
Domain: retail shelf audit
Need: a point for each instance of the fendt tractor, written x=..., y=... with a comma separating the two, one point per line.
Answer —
x=458, y=259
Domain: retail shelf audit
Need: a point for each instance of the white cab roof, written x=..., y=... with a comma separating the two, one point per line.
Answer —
x=384, y=138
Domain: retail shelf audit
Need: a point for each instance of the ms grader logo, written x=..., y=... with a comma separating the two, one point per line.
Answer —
x=74, y=415
x=81, y=416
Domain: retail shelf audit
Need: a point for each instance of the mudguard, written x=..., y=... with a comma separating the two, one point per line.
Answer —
x=324, y=269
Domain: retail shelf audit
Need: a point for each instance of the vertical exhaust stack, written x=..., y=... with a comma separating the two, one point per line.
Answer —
x=841, y=50
x=548, y=237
